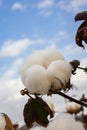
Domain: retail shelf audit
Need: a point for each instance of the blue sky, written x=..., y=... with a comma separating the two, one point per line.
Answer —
x=29, y=25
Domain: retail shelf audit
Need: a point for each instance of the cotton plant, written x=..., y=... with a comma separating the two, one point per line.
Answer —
x=47, y=72
x=44, y=72
x=6, y=123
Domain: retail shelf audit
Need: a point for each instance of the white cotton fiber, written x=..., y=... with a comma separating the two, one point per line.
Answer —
x=41, y=57
x=2, y=122
x=36, y=80
x=64, y=122
x=51, y=55
x=59, y=73
x=72, y=107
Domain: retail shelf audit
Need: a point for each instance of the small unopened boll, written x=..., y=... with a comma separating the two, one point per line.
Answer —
x=41, y=57
x=36, y=80
x=73, y=107
x=59, y=73
x=51, y=106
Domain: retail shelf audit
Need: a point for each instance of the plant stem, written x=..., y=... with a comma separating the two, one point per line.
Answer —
x=82, y=68
x=70, y=98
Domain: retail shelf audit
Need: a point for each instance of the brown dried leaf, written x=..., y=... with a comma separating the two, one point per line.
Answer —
x=29, y=114
x=81, y=35
x=37, y=110
x=81, y=16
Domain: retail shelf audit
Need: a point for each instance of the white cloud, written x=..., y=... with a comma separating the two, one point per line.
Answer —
x=13, y=70
x=72, y=51
x=45, y=13
x=18, y=6
x=15, y=48
x=59, y=37
x=45, y=4
x=11, y=100
x=45, y=7
x=73, y=5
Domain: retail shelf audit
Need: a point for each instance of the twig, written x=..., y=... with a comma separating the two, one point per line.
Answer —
x=70, y=98
x=85, y=69
x=25, y=91
x=81, y=68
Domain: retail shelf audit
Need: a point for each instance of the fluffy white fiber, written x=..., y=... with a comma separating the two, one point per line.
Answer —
x=36, y=80
x=59, y=73
x=43, y=69
x=41, y=57
x=2, y=122
x=65, y=122
x=72, y=107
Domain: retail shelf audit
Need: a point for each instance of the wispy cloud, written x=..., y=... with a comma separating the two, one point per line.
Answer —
x=59, y=37
x=46, y=12
x=18, y=6
x=13, y=70
x=15, y=48
x=45, y=7
x=72, y=5
x=45, y=4
x=10, y=91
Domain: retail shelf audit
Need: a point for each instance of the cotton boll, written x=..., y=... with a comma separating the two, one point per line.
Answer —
x=36, y=80
x=59, y=73
x=64, y=122
x=73, y=107
x=36, y=58
x=2, y=122
x=40, y=57
x=51, y=55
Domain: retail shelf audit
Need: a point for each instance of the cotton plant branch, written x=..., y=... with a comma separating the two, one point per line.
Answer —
x=25, y=92
x=83, y=98
x=85, y=69
x=70, y=98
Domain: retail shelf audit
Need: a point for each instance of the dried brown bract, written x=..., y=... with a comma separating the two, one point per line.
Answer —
x=37, y=110
x=74, y=64
x=81, y=34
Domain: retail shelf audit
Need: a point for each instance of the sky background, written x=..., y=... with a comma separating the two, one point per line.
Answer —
x=27, y=25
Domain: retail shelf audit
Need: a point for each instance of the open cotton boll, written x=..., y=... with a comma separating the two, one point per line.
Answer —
x=2, y=122
x=59, y=73
x=36, y=58
x=41, y=57
x=36, y=80
x=65, y=122
x=73, y=107
x=51, y=55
